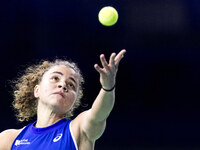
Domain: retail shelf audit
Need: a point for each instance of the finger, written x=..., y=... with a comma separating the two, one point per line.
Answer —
x=119, y=56
x=112, y=60
x=97, y=68
x=103, y=61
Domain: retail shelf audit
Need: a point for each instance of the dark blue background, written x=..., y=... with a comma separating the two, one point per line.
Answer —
x=157, y=93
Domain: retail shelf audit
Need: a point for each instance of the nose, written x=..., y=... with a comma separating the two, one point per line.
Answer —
x=63, y=86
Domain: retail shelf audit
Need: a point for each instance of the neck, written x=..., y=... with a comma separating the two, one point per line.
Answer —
x=46, y=116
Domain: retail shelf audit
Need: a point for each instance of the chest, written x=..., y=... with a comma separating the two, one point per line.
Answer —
x=58, y=139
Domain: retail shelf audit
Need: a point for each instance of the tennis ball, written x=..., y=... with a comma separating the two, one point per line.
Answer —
x=108, y=16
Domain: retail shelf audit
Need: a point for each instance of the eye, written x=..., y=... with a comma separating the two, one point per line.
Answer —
x=71, y=86
x=55, y=78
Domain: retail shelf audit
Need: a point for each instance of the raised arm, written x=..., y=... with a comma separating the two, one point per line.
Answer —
x=92, y=122
x=104, y=102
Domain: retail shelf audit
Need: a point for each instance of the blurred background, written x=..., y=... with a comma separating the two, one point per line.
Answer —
x=157, y=91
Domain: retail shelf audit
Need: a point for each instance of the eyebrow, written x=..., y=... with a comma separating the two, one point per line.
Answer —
x=60, y=73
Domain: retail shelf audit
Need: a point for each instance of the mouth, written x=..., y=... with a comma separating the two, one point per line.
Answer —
x=60, y=93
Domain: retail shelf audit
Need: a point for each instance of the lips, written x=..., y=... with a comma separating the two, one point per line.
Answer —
x=60, y=93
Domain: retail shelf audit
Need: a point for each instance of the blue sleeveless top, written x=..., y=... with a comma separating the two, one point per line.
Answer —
x=57, y=136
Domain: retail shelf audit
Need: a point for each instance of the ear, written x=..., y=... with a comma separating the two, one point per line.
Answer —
x=36, y=91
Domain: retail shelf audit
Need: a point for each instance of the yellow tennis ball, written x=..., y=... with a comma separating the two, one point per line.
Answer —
x=108, y=16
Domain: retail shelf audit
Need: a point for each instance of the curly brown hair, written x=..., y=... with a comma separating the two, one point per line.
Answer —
x=24, y=102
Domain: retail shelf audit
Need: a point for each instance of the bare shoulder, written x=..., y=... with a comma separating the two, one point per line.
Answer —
x=7, y=137
x=75, y=126
x=86, y=131
x=83, y=142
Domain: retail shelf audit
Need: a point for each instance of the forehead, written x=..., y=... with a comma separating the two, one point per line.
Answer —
x=65, y=70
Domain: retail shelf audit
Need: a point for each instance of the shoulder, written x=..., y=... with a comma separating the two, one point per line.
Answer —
x=7, y=137
x=83, y=142
x=86, y=131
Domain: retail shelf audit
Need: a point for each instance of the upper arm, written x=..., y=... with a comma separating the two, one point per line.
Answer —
x=7, y=137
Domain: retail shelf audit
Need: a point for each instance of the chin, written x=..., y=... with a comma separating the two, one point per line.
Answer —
x=60, y=107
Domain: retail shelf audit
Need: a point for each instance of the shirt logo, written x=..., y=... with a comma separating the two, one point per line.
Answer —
x=22, y=142
x=57, y=138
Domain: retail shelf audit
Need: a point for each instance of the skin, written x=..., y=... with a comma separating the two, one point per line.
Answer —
x=57, y=93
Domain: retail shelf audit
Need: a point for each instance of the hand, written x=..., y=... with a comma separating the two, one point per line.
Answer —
x=109, y=70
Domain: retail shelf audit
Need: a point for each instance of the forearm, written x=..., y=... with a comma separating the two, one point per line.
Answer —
x=94, y=120
x=104, y=102
x=102, y=105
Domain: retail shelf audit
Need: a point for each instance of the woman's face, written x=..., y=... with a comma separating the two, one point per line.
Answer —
x=58, y=89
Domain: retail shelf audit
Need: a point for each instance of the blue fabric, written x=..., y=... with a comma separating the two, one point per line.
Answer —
x=56, y=136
